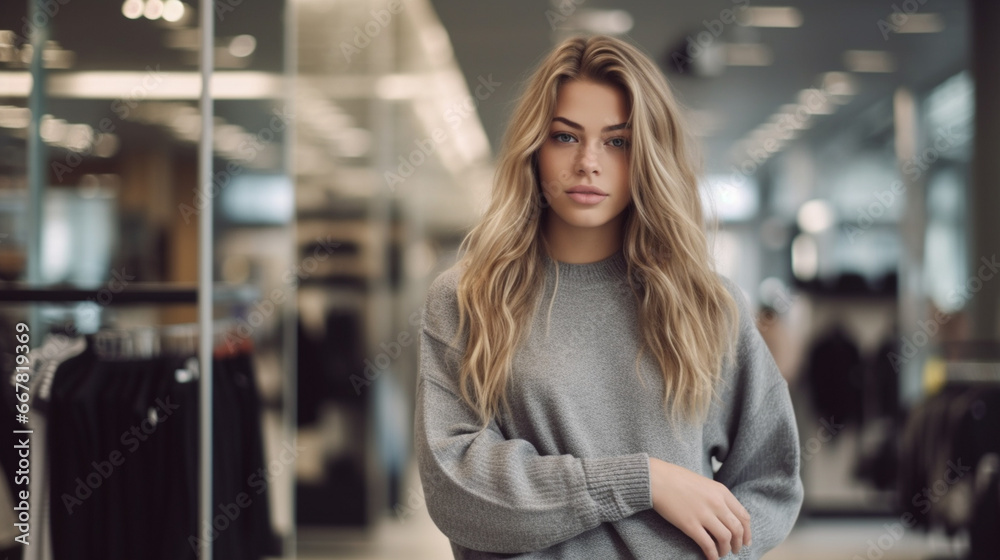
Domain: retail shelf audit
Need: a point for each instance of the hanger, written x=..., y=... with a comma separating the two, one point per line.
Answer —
x=146, y=342
x=127, y=344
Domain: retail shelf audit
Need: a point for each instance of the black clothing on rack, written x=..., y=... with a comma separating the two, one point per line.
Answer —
x=123, y=452
x=327, y=364
x=949, y=453
x=835, y=376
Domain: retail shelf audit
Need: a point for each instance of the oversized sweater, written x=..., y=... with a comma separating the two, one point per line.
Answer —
x=566, y=473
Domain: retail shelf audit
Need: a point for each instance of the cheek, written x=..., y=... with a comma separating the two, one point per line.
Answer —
x=621, y=168
x=621, y=163
x=547, y=163
x=550, y=167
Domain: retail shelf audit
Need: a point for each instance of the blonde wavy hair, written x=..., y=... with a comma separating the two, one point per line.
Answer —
x=687, y=317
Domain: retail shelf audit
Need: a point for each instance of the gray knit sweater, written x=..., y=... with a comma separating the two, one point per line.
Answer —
x=566, y=474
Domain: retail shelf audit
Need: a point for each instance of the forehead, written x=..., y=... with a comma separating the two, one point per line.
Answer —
x=593, y=105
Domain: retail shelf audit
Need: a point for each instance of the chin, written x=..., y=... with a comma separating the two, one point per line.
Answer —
x=588, y=221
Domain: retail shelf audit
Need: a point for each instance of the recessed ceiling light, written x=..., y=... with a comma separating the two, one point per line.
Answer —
x=609, y=22
x=921, y=23
x=869, y=61
x=153, y=10
x=242, y=45
x=132, y=9
x=173, y=10
x=771, y=16
x=748, y=54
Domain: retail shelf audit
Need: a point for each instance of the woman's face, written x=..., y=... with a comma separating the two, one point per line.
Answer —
x=587, y=146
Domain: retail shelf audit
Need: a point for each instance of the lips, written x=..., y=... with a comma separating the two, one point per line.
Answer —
x=586, y=189
x=586, y=194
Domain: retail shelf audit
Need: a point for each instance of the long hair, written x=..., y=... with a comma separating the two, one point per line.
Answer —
x=687, y=318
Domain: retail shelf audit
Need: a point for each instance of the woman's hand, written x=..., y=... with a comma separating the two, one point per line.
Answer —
x=702, y=508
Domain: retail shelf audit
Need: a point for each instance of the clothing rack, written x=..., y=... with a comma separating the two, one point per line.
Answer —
x=203, y=293
x=153, y=341
x=136, y=293
x=37, y=177
x=206, y=329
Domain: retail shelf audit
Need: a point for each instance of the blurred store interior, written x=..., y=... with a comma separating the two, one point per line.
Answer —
x=852, y=162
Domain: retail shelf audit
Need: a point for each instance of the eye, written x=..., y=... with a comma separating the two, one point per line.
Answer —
x=622, y=142
x=559, y=135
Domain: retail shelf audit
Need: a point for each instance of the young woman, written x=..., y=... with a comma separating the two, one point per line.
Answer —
x=584, y=370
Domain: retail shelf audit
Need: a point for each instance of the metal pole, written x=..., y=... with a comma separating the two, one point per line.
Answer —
x=291, y=310
x=984, y=186
x=37, y=176
x=205, y=278
x=382, y=63
x=912, y=290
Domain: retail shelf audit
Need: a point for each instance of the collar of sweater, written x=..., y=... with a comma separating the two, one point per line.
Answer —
x=610, y=269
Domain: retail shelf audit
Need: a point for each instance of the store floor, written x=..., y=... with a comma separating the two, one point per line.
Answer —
x=415, y=537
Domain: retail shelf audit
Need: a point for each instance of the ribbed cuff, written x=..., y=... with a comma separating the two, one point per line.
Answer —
x=620, y=485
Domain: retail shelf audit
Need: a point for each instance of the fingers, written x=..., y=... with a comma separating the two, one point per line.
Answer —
x=736, y=529
x=742, y=514
x=705, y=541
x=722, y=535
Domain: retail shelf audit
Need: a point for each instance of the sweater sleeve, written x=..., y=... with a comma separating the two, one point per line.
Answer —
x=489, y=493
x=754, y=434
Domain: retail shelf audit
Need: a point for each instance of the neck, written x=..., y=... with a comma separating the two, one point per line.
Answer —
x=580, y=245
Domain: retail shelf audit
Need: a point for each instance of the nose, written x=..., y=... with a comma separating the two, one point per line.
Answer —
x=587, y=161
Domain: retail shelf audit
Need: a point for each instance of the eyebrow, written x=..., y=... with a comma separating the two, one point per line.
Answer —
x=577, y=126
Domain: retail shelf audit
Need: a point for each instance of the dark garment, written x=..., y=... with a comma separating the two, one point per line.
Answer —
x=69, y=444
x=330, y=365
x=947, y=437
x=124, y=451
x=835, y=377
x=885, y=379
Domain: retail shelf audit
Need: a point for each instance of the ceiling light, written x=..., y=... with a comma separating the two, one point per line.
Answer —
x=771, y=16
x=815, y=216
x=838, y=83
x=921, y=23
x=154, y=9
x=132, y=9
x=173, y=10
x=608, y=22
x=14, y=117
x=52, y=130
x=748, y=54
x=79, y=137
x=172, y=85
x=869, y=61
x=242, y=45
